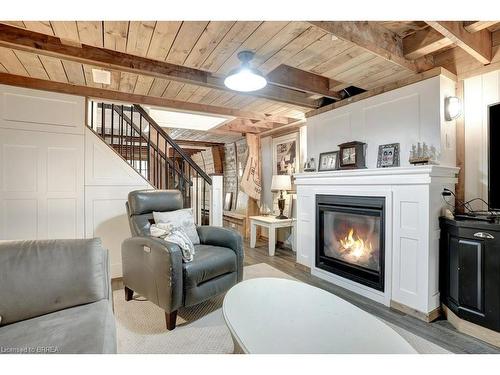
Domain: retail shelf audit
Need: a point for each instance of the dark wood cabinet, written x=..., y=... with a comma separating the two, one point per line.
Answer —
x=470, y=270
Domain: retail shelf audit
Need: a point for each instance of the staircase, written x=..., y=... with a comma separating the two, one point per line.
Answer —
x=147, y=148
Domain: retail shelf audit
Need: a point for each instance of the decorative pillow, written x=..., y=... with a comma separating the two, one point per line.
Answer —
x=180, y=218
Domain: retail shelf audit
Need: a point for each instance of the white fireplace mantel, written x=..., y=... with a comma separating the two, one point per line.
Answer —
x=413, y=204
x=380, y=176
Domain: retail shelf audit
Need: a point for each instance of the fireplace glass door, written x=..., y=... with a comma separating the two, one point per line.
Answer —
x=350, y=237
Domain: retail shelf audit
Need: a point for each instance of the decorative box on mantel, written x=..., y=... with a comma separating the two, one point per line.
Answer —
x=375, y=232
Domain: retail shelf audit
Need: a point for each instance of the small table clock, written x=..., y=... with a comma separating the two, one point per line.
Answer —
x=352, y=155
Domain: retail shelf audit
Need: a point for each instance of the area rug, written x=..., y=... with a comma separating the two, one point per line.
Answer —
x=200, y=329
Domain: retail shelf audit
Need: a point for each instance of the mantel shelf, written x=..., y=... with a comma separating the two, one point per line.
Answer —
x=378, y=176
x=431, y=170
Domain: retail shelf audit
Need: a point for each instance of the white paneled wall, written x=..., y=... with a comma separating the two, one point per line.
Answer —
x=48, y=112
x=57, y=178
x=108, y=180
x=479, y=92
x=410, y=114
x=41, y=165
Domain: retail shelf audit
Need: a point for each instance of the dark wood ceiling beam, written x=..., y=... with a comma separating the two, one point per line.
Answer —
x=25, y=40
x=424, y=42
x=475, y=26
x=370, y=36
x=186, y=142
x=91, y=92
x=477, y=44
x=290, y=77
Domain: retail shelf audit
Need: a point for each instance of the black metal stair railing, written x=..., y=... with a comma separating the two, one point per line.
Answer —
x=146, y=147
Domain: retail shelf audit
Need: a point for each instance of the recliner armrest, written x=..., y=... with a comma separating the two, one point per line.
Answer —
x=223, y=237
x=152, y=267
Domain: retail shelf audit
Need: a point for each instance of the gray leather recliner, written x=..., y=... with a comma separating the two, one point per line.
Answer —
x=154, y=268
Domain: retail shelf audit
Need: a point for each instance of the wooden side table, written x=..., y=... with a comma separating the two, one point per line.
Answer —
x=271, y=223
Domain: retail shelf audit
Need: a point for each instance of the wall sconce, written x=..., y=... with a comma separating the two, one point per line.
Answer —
x=452, y=108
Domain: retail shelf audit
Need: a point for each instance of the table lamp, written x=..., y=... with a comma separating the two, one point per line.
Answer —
x=281, y=182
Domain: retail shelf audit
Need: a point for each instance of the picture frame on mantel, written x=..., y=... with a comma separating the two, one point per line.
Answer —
x=388, y=155
x=328, y=161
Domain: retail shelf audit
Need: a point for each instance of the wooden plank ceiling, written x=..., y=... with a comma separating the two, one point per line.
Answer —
x=308, y=63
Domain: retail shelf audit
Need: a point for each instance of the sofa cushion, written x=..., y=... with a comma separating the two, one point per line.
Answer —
x=208, y=263
x=40, y=277
x=83, y=329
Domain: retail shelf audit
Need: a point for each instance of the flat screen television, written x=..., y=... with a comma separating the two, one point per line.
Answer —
x=494, y=156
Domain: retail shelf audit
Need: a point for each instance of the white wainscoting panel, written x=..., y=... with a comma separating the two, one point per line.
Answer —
x=103, y=166
x=410, y=255
x=406, y=115
x=37, y=110
x=41, y=185
x=19, y=219
x=106, y=217
x=108, y=180
x=63, y=218
x=305, y=227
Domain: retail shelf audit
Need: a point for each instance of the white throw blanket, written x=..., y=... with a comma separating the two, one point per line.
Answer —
x=171, y=233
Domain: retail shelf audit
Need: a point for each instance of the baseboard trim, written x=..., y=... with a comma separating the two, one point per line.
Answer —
x=429, y=317
x=472, y=329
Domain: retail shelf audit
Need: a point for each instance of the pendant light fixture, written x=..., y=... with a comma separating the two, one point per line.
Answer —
x=245, y=78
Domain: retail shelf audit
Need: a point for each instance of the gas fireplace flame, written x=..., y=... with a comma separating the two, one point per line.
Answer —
x=354, y=245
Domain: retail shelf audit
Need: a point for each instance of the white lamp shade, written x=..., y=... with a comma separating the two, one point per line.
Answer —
x=281, y=182
x=245, y=80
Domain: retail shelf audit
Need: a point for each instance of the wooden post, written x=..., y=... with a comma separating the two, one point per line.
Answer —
x=216, y=200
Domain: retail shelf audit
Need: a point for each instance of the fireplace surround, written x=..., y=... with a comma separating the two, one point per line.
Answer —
x=350, y=237
x=409, y=220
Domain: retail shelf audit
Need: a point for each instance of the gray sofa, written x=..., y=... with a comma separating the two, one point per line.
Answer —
x=154, y=268
x=55, y=297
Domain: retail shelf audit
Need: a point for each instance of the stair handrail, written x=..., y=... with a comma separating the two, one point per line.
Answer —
x=121, y=113
x=119, y=110
x=172, y=143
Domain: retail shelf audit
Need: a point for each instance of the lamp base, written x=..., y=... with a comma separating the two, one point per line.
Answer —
x=281, y=207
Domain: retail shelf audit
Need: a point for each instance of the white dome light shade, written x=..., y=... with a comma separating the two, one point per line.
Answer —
x=245, y=78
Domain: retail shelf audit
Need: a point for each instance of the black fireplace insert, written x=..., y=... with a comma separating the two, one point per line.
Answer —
x=350, y=237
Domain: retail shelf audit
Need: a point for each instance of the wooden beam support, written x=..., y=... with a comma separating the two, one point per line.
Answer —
x=287, y=76
x=423, y=42
x=370, y=36
x=259, y=124
x=91, y=92
x=476, y=44
x=25, y=40
x=240, y=126
x=475, y=26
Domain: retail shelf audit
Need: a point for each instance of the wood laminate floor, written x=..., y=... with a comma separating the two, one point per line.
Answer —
x=440, y=332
